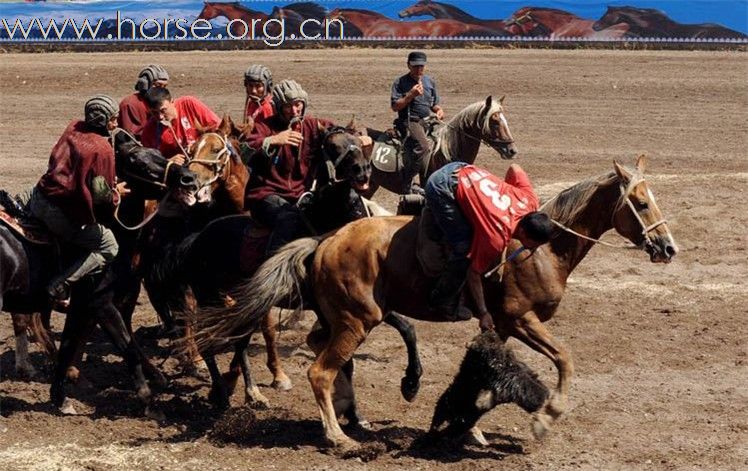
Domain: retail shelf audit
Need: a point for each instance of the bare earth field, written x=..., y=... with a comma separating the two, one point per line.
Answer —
x=660, y=351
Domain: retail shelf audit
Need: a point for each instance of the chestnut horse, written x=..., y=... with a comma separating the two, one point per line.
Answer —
x=651, y=23
x=376, y=25
x=355, y=276
x=445, y=11
x=233, y=11
x=553, y=23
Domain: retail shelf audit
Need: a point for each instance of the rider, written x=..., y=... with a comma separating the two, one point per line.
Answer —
x=77, y=187
x=414, y=98
x=175, y=124
x=478, y=213
x=287, y=150
x=258, y=83
x=133, y=109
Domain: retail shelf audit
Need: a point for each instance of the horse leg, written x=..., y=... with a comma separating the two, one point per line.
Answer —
x=411, y=382
x=270, y=334
x=43, y=333
x=218, y=395
x=77, y=327
x=322, y=373
x=112, y=323
x=530, y=330
x=21, y=324
x=345, y=398
x=252, y=394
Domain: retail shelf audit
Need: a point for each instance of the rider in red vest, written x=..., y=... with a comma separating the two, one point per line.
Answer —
x=479, y=213
x=133, y=109
x=174, y=124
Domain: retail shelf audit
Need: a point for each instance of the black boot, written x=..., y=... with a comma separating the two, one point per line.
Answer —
x=445, y=297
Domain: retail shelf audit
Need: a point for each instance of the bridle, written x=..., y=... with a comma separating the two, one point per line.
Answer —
x=626, y=190
x=222, y=162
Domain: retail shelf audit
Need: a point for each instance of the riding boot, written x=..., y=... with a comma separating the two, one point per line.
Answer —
x=444, y=301
x=59, y=287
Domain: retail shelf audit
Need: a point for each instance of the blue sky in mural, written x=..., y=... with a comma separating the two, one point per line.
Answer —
x=730, y=13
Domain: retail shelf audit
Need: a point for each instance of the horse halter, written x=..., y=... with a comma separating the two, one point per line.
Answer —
x=626, y=191
x=222, y=160
x=328, y=158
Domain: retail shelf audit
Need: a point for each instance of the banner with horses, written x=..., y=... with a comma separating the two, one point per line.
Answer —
x=691, y=21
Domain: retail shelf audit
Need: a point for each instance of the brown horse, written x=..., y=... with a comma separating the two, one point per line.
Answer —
x=233, y=11
x=553, y=23
x=376, y=25
x=445, y=11
x=354, y=277
x=651, y=23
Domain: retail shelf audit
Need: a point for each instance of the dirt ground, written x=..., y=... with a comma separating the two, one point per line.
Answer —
x=660, y=351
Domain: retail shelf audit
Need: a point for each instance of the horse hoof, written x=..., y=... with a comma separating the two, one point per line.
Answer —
x=255, y=399
x=343, y=444
x=475, y=437
x=364, y=425
x=26, y=372
x=409, y=388
x=540, y=426
x=154, y=414
x=67, y=407
x=219, y=400
x=144, y=393
x=282, y=384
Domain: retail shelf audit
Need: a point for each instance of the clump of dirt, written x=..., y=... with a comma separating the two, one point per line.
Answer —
x=237, y=425
x=365, y=452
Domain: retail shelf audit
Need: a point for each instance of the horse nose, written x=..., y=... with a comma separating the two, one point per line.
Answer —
x=511, y=151
x=187, y=180
x=671, y=250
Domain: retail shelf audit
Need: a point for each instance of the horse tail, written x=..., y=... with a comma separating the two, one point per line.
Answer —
x=281, y=280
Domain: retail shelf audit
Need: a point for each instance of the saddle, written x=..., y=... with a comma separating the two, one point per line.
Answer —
x=389, y=151
x=16, y=217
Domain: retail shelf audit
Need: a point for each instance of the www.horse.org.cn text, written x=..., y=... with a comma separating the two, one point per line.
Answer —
x=272, y=31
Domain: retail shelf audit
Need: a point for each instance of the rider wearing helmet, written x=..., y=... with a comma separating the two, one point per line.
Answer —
x=77, y=187
x=133, y=109
x=258, y=83
x=287, y=149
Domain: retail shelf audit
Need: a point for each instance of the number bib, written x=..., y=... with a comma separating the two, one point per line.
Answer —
x=386, y=155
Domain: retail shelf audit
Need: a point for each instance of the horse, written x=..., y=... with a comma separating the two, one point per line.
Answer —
x=445, y=11
x=456, y=140
x=295, y=15
x=353, y=293
x=28, y=263
x=554, y=23
x=230, y=249
x=221, y=178
x=651, y=23
x=376, y=25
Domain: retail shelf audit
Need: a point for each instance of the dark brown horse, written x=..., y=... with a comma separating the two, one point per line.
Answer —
x=376, y=25
x=651, y=23
x=354, y=277
x=445, y=11
x=553, y=23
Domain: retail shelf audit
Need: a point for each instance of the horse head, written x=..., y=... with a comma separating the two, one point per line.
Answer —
x=345, y=158
x=420, y=8
x=494, y=128
x=524, y=23
x=214, y=158
x=149, y=174
x=638, y=218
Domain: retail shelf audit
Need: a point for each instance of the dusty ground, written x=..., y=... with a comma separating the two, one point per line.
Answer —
x=660, y=351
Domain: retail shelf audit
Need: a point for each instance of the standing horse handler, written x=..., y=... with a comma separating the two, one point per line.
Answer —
x=414, y=98
x=479, y=213
x=78, y=184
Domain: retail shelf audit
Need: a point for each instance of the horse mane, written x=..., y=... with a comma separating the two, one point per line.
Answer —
x=307, y=9
x=362, y=11
x=566, y=207
x=544, y=10
x=464, y=119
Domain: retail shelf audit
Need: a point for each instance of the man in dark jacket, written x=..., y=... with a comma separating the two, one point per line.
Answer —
x=77, y=185
x=288, y=148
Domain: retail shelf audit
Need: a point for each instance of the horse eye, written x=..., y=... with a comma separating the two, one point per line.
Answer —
x=642, y=205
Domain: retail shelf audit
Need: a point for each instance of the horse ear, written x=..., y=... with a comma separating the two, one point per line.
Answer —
x=621, y=171
x=501, y=100
x=321, y=127
x=352, y=124
x=486, y=108
x=226, y=125
x=641, y=163
x=200, y=128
